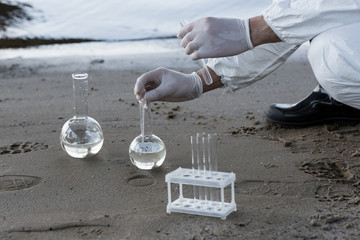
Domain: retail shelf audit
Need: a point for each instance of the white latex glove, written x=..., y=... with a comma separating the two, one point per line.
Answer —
x=163, y=84
x=215, y=37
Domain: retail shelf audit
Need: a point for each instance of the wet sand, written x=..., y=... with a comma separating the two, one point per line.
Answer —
x=290, y=183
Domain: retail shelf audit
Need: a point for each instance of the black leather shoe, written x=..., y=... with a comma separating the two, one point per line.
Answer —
x=317, y=108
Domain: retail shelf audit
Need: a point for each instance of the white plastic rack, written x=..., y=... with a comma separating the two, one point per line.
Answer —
x=201, y=178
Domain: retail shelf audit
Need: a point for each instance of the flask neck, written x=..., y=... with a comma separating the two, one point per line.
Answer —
x=144, y=119
x=80, y=89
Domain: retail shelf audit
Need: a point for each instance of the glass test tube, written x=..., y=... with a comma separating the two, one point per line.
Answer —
x=194, y=162
x=200, y=163
x=212, y=141
x=204, y=159
x=205, y=163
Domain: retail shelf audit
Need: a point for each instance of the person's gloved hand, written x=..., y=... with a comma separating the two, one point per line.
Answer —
x=215, y=37
x=163, y=84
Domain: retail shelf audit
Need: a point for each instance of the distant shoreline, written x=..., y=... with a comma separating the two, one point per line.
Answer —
x=12, y=14
x=33, y=42
x=15, y=12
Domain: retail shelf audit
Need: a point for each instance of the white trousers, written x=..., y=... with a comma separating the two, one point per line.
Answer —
x=335, y=59
x=333, y=55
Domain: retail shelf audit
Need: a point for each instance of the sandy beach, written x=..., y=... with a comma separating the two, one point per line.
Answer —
x=300, y=183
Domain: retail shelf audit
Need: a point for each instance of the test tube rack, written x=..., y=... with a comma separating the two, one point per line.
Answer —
x=207, y=182
x=211, y=179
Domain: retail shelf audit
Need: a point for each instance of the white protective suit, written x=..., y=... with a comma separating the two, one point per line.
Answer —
x=333, y=26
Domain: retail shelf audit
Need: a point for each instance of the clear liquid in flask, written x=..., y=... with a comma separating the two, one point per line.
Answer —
x=146, y=151
x=81, y=138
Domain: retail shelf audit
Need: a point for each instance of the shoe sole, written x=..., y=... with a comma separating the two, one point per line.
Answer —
x=340, y=121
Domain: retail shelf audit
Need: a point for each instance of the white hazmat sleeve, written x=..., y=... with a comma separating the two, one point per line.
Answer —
x=295, y=22
x=298, y=21
x=244, y=69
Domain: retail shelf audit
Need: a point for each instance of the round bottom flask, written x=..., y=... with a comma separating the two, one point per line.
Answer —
x=81, y=137
x=147, y=152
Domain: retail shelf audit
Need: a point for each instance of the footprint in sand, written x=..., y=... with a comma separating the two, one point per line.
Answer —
x=338, y=192
x=18, y=182
x=340, y=186
x=22, y=147
x=140, y=180
x=325, y=168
